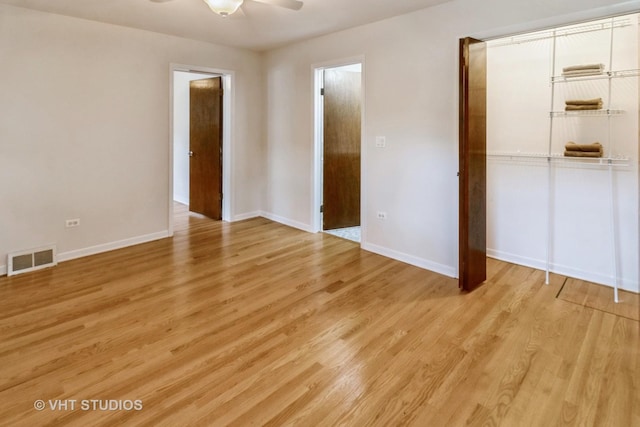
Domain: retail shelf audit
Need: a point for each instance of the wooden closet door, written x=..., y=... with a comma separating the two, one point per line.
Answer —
x=472, y=167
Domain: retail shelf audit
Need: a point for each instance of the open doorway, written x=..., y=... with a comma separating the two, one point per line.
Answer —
x=184, y=80
x=339, y=141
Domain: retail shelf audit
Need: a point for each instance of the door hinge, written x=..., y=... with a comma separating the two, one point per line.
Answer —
x=321, y=91
x=321, y=208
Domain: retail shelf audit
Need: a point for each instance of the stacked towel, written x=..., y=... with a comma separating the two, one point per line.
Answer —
x=583, y=104
x=583, y=70
x=571, y=149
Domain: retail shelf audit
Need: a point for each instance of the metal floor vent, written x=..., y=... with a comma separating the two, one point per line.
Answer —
x=31, y=260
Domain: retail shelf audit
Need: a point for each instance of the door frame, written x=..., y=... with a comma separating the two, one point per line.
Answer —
x=318, y=142
x=228, y=78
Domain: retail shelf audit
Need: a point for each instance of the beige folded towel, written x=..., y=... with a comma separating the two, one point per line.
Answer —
x=593, y=147
x=583, y=153
x=583, y=67
x=583, y=107
x=582, y=73
x=583, y=101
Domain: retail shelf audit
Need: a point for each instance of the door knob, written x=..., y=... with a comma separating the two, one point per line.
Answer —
x=190, y=153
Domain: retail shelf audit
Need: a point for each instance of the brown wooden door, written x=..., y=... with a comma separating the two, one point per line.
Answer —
x=341, y=165
x=472, y=184
x=205, y=145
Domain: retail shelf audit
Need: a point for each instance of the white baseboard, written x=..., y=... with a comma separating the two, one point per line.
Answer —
x=410, y=259
x=243, y=216
x=516, y=259
x=106, y=247
x=624, y=284
x=564, y=270
x=3, y=270
x=286, y=221
x=181, y=200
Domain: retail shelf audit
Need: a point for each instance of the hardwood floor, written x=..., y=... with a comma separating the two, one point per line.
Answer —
x=255, y=323
x=601, y=298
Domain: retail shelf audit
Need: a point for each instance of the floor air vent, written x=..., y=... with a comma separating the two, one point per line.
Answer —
x=31, y=260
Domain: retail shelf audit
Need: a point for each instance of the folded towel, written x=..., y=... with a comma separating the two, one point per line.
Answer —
x=593, y=147
x=583, y=107
x=583, y=101
x=580, y=73
x=583, y=67
x=583, y=153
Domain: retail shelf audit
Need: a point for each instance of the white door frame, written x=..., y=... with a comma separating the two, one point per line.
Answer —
x=228, y=78
x=318, y=138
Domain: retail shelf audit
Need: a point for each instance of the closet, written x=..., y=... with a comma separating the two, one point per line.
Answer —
x=562, y=144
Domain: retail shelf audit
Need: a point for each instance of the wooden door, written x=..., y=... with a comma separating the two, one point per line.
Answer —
x=472, y=184
x=205, y=145
x=341, y=153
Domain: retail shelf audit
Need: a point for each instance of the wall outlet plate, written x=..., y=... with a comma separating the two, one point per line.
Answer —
x=72, y=223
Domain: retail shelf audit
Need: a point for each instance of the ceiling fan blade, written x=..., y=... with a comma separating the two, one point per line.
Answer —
x=289, y=4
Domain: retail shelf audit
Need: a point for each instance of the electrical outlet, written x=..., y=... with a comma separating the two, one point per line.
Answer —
x=72, y=222
x=382, y=215
x=381, y=141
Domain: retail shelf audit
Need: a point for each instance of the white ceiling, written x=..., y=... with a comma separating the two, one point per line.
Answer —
x=261, y=28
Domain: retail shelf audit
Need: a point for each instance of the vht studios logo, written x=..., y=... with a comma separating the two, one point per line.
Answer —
x=88, y=405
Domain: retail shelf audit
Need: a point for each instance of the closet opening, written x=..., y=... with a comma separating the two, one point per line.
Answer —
x=562, y=151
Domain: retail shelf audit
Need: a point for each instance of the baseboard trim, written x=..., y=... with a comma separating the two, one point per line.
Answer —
x=93, y=250
x=243, y=216
x=182, y=201
x=287, y=221
x=410, y=259
x=3, y=270
x=516, y=259
x=564, y=270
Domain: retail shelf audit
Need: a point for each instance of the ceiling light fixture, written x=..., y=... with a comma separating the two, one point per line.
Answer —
x=224, y=7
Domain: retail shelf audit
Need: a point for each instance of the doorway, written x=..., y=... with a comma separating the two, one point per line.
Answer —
x=205, y=147
x=181, y=76
x=339, y=141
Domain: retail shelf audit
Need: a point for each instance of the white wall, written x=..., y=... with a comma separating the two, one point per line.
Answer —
x=181, y=133
x=519, y=100
x=411, y=97
x=84, y=130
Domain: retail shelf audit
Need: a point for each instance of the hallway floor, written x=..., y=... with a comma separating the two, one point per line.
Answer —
x=349, y=233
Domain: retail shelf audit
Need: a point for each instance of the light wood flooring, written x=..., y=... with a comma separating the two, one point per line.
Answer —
x=255, y=323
